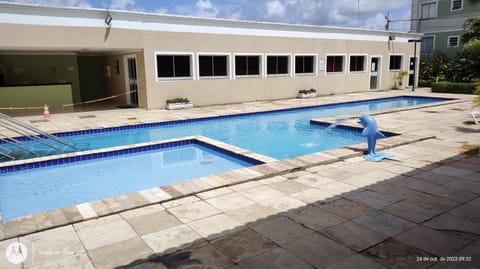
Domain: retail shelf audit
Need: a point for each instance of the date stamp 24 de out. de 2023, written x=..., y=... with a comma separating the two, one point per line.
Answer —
x=444, y=259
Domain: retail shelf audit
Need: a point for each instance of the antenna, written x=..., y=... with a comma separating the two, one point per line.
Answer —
x=358, y=13
x=387, y=26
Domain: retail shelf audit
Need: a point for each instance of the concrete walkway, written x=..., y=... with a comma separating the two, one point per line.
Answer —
x=420, y=209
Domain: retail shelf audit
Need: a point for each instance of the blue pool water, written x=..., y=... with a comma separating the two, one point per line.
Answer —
x=37, y=190
x=278, y=134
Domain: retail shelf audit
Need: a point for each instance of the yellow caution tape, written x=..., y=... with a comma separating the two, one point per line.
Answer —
x=69, y=105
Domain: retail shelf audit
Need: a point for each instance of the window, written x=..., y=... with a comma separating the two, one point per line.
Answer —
x=305, y=64
x=453, y=41
x=396, y=62
x=277, y=65
x=457, y=5
x=335, y=64
x=429, y=10
x=173, y=66
x=427, y=44
x=357, y=63
x=247, y=65
x=213, y=65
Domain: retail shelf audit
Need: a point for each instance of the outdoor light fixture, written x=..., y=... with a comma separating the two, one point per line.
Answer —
x=108, y=19
x=414, y=41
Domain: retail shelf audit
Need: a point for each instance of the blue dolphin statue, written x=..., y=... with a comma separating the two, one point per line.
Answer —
x=370, y=130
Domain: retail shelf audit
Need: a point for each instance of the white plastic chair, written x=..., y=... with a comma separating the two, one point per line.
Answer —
x=474, y=115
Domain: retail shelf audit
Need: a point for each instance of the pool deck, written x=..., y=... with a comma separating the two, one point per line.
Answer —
x=325, y=210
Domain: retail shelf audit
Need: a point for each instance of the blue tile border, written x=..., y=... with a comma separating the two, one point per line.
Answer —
x=92, y=156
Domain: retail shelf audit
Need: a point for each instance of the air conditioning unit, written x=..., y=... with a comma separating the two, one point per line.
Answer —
x=391, y=37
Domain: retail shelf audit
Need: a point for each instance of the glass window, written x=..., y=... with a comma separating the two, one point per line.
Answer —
x=335, y=64
x=396, y=62
x=357, y=63
x=213, y=65
x=277, y=65
x=452, y=41
x=429, y=10
x=457, y=5
x=247, y=65
x=304, y=64
x=427, y=44
x=173, y=66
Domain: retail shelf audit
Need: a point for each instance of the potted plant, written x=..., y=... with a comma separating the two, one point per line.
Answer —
x=307, y=93
x=178, y=103
x=400, y=77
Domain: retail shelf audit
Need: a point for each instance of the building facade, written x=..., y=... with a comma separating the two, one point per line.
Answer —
x=441, y=22
x=101, y=53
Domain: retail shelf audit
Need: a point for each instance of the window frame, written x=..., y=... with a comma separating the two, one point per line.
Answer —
x=174, y=53
x=344, y=64
x=458, y=41
x=433, y=44
x=260, y=68
x=289, y=68
x=294, y=63
x=401, y=64
x=229, y=65
x=365, y=60
x=451, y=6
x=428, y=3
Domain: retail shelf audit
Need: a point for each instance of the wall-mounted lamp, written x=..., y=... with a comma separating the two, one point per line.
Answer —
x=108, y=19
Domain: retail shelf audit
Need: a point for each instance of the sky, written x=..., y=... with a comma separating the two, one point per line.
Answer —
x=341, y=13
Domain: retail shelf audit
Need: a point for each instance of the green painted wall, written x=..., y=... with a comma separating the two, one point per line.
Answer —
x=26, y=96
x=33, y=69
x=441, y=43
x=90, y=69
x=444, y=7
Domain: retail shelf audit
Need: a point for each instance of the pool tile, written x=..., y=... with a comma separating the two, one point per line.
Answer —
x=215, y=226
x=171, y=191
x=26, y=225
x=100, y=208
x=229, y=201
x=104, y=231
x=193, y=211
x=86, y=211
x=120, y=253
x=57, y=217
x=42, y=221
x=160, y=194
x=171, y=239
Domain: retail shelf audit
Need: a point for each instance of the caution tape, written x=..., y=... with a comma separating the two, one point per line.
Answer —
x=69, y=105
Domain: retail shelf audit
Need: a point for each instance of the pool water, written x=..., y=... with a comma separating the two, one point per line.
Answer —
x=37, y=190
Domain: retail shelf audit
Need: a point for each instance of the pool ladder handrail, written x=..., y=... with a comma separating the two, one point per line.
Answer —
x=36, y=134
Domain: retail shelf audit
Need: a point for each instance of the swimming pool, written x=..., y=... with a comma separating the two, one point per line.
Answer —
x=279, y=134
x=51, y=186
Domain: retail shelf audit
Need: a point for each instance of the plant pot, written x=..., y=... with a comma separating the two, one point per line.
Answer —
x=174, y=106
x=306, y=95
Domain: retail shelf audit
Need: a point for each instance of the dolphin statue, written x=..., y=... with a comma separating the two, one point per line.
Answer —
x=370, y=130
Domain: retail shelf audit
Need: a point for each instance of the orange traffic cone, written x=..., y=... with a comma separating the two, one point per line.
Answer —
x=46, y=113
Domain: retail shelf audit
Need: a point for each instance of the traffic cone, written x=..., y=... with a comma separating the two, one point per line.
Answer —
x=46, y=113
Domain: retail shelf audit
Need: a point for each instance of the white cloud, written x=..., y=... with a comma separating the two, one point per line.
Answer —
x=123, y=4
x=71, y=3
x=275, y=9
x=161, y=10
x=205, y=9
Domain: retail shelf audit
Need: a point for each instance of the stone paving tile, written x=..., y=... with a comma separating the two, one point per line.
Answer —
x=452, y=171
x=104, y=231
x=412, y=211
x=453, y=223
x=229, y=201
x=313, y=180
x=358, y=262
x=246, y=185
x=78, y=261
x=346, y=209
x=276, y=258
x=214, y=193
x=4, y=263
x=242, y=245
x=261, y=193
x=289, y=186
x=467, y=212
x=150, y=221
x=432, y=241
x=271, y=180
x=252, y=214
x=395, y=254
x=372, y=199
x=384, y=223
x=181, y=201
x=52, y=245
x=435, y=177
x=315, y=218
x=215, y=226
x=171, y=239
x=319, y=250
x=313, y=195
x=120, y=253
x=337, y=188
x=354, y=235
x=283, y=204
x=470, y=255
x=193, y=211
x=282, y=230
x=466, y=184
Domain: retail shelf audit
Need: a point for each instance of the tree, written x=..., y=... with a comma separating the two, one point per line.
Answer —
x=472, y=29
x=471, y=53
